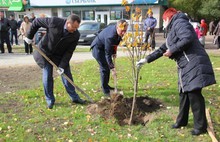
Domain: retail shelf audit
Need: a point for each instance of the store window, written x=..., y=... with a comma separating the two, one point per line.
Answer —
x=77, y=13
x=116, y=15
x=66, y=13
x=88, y=15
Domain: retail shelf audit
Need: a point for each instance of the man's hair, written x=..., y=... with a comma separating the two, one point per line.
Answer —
x=122, y=21
x=73, y=18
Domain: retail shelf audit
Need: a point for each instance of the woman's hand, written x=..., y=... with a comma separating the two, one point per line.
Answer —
x=167, y=53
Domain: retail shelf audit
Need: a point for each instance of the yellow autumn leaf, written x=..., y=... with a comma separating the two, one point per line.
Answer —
x=136, y=27
x=127, y=8
x=133, y=16
x=90, y=140
x=88, y=118
x=138, y=10
x=143, y=47
x=124, y=2
x=134, y=44
x=129, y=34
x=129, y=45
x=136, y=34
x=149, y=11
x=121, y=26
x=122, y=43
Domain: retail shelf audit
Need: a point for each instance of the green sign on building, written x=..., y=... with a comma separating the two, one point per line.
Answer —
x=12, y=5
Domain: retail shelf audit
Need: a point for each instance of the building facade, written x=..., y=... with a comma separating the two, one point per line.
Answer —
x=91, y=10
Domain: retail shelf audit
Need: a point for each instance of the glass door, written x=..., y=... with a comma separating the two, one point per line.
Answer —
x=102, y=16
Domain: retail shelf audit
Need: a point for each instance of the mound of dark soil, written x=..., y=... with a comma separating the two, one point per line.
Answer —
x=119, y=108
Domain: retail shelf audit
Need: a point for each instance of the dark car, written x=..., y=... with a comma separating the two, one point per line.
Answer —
x=88, y=32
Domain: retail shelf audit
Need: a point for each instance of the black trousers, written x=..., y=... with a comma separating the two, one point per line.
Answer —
x=5, y=38
x=197, y=103
x=28, y=47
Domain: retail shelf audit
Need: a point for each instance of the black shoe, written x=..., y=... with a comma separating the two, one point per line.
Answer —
x=79, y=101
x=177, y=126
x=198, y=132
x=10, y=52
x=50, y=106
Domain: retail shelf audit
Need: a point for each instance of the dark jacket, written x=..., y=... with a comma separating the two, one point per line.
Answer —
x=13, y=24
x=217, y=29
x=4, y=26
x=57, y=46
x=194, y=67
x=106, y=41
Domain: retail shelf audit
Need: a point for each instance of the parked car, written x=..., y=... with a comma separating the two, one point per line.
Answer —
x=88, y=32
x=112, y=23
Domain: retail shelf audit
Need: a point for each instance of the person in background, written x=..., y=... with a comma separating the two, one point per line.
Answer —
x=41, y=31
x=25, y=27
x=103, y=51
x=204, y=29
x=14, y=27
x=199, y=33
x=58, y=44
x=4, y=33
x=217, y=35
x=194, y=68
x=19, y=22
x=211, y=27
x=149, y=26
x=32, y=17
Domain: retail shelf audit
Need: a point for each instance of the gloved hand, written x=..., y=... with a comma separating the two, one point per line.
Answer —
x=27, y=40
x=113, y=72
x=141, y=62
x=60, y=71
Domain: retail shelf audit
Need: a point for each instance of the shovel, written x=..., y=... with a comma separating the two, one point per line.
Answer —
x=115, y=78
x=115, y=81
x=64, y=75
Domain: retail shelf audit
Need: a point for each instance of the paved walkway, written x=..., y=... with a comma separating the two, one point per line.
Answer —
x=20, y=59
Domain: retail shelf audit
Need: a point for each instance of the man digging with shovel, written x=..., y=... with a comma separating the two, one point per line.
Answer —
x=103, y=50
x=58, y=44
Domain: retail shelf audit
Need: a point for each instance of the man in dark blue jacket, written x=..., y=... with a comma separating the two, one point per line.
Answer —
x=103, y=50
x=58, y=44
x=149, y=25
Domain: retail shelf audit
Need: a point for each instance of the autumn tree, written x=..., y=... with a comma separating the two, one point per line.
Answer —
x=134, y=43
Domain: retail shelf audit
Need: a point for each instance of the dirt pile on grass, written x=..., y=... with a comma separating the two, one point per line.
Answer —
x=119, y=108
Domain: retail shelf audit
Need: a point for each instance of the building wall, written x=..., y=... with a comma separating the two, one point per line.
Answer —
x=64, y=11
x=36, y=11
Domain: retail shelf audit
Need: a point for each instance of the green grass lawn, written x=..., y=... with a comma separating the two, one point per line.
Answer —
x=24, y=117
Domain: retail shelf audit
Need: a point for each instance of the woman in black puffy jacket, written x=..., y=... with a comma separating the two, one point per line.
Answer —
x=194, y=68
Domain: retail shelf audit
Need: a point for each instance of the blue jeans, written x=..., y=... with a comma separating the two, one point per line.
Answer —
x=48, y=84
x=14, y=33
